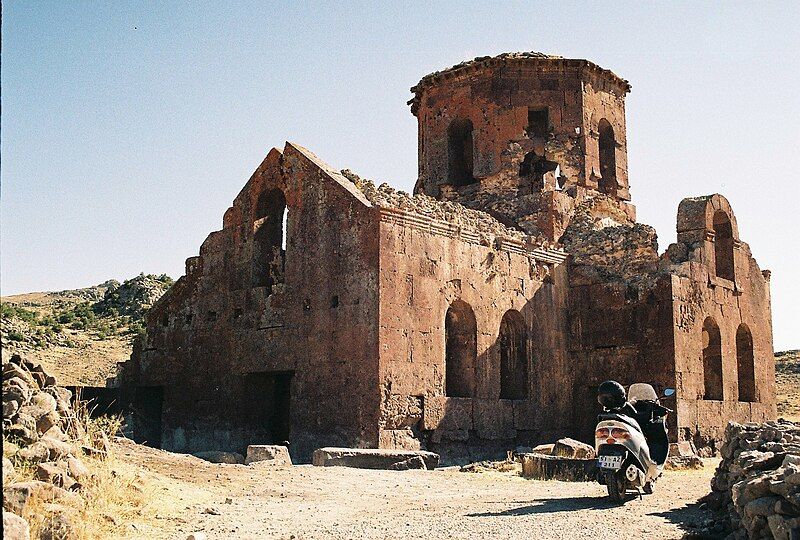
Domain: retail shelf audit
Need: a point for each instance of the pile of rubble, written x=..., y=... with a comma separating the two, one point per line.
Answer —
x=605, y=241
x=41, y=432
x=758, y=481
x=452, y=212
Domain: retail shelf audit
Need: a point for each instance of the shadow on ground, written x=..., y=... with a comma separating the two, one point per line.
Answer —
x=551, y=506
x=695, y=519
x=691, y=518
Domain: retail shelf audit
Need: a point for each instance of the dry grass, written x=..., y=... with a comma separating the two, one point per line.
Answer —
x=114, y=497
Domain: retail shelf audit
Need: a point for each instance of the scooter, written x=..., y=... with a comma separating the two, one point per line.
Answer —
x=632, y=444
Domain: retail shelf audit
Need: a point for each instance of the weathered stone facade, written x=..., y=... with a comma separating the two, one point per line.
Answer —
x=475, y=316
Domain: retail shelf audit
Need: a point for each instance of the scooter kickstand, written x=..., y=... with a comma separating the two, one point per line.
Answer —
x=639, y=491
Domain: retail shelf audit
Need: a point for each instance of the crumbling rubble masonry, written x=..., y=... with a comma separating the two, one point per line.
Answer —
x=475, y=316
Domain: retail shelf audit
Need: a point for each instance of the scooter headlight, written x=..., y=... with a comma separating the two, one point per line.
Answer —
x=620, y=434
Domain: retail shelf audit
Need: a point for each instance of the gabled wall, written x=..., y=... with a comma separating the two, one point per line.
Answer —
x=314, y=324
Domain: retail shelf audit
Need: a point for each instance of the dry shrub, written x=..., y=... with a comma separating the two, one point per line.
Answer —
x=114, y=497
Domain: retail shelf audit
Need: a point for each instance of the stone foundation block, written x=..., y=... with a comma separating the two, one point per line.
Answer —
x=370, y=458
x=272, y=454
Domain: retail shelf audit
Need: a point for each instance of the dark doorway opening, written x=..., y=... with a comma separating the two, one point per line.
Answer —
x=269, y=395
x=145, y=415
x=100, y=400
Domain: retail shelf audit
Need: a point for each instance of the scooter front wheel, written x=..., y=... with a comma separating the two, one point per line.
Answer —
x=616, y=484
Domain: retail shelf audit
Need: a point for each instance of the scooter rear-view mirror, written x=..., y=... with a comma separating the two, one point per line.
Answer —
x=669, y=392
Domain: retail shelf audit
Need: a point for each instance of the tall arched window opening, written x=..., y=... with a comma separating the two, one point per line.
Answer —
x=712, y=360
x=608, y=158
x=745, y=364
x=269, y=238
x=459, y=152
x=723, y=245
x=513, y=356
x=461, y=350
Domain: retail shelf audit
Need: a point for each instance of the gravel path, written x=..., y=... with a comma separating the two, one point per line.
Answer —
x=311, y=502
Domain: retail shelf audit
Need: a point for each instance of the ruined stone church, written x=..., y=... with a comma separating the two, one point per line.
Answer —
x=474, y=316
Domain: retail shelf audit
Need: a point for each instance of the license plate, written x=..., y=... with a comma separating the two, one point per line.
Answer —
x=609, y=462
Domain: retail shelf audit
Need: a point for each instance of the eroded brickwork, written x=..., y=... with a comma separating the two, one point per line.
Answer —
x=474, y=316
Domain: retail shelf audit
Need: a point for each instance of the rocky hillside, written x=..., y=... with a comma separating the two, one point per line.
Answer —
x=787, y=378
x=80, y=335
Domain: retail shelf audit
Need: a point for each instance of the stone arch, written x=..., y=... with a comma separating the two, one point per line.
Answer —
x=461, y=350
x=607, y=151
x=460, y=156
x=269, y=247
x=723, y=245
x=513, y=356
x=745, y=364
x=712, y=360
x=696, y=217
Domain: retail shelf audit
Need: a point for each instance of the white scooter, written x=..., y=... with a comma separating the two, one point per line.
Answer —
x=632, y=444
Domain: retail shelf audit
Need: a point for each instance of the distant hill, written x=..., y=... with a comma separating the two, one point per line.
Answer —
x=79, y=335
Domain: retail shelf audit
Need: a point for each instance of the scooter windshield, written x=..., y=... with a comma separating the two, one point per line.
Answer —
x=641, y=391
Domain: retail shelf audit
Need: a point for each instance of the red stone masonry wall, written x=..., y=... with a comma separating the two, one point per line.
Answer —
x=496, y=96
x=214, y=327
x=698, y=293
x=427, y=266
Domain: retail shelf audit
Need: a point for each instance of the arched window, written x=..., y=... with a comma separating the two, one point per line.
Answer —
x=461, y=350
x=608, y=158
x=513, y=356
x=723, y=245
x=269, y=243
x=712, y=360
x=459, y=152
x=745, y=364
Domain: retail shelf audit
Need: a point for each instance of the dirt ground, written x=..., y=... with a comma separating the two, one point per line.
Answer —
x=302, y=502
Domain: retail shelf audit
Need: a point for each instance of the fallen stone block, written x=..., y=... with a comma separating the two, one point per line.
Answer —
x=570, y=448
x=544, y=467
x=682, y=449
x=370, y=458
x=272, y=454
x=546, y=449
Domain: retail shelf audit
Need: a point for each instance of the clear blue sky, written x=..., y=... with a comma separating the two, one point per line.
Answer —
x=129, y=127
